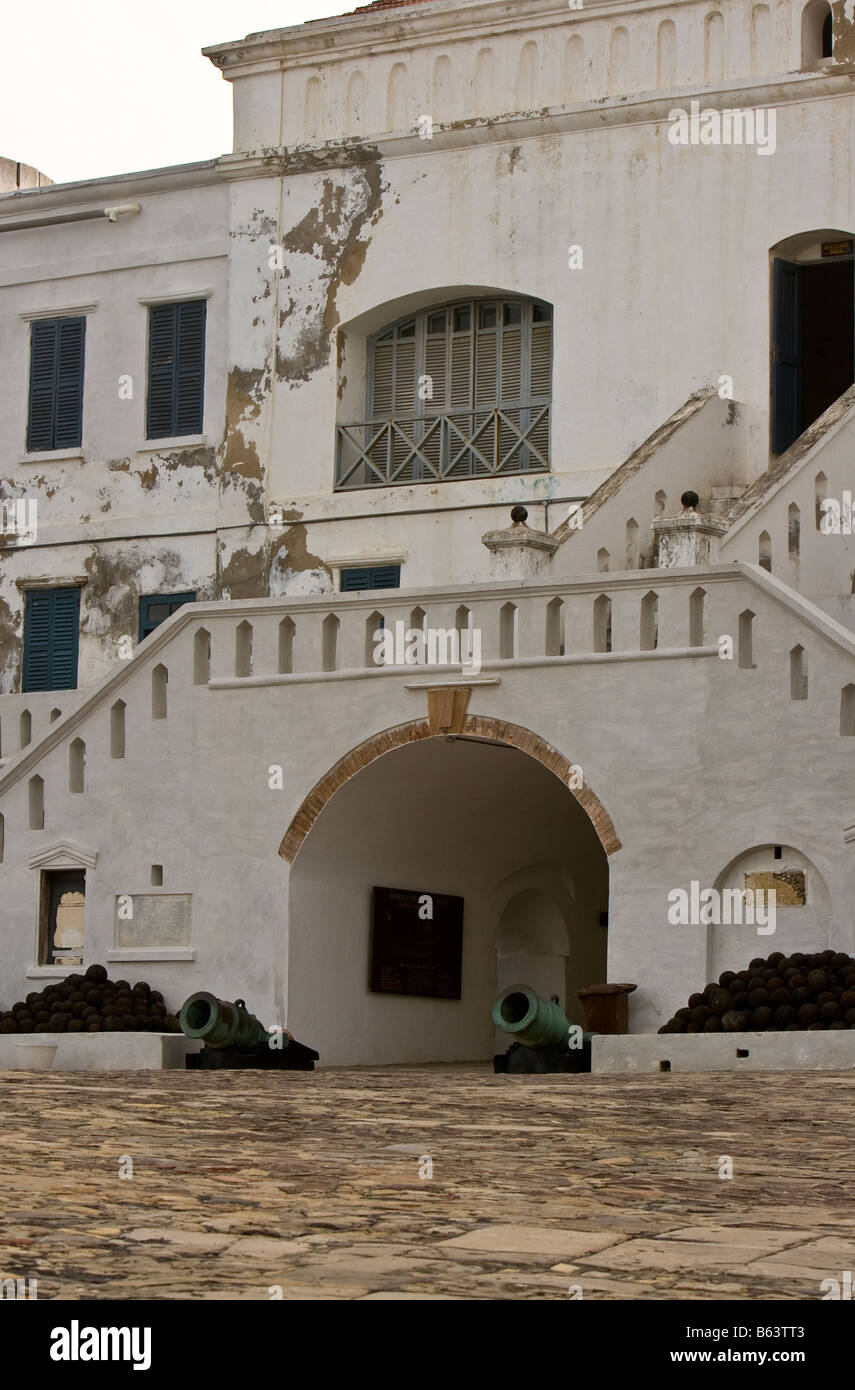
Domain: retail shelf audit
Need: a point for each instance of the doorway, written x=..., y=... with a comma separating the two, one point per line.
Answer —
x=813, y=337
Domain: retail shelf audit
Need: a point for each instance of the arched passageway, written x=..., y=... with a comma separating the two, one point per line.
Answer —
x=449, y=818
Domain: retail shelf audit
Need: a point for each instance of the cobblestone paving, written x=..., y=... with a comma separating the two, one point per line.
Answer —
x=243, y=1181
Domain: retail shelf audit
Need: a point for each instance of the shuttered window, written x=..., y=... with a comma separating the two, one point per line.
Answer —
x=371, y=577
x=462, y=362
x=55, y=415
x=156, y=608
x=51, y=627
x=176, y=369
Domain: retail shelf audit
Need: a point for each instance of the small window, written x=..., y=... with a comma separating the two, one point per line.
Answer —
x=156, y=608
x=371, y=577
x=436, y=323
x=51, y=629
x=176, y=368
x=541, y=313
x=462, y=320
x=55, y=415
x=407, y=330
x=61, y=926
x=487, y=316
x=513, y=314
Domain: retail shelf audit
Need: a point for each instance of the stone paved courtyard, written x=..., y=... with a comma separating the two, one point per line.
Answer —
x=243, y=1181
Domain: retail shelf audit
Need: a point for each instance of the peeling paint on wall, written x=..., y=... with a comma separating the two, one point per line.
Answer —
x=332, y=233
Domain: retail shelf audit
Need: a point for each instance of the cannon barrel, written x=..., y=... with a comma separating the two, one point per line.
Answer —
x=220, y=1023
x=531, y=1020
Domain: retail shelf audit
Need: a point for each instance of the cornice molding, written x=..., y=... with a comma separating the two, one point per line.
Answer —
x=64, y=854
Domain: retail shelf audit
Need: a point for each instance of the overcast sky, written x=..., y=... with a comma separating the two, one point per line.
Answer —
x=93, y=87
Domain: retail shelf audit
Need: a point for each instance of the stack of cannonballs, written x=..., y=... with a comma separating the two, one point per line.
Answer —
x=90, y=1003
x=785, y=994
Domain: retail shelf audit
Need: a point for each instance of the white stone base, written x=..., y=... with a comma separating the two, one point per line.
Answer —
x=100, y=1051
x=646, y=1052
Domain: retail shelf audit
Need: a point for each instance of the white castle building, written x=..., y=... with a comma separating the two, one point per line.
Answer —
x=465, y=256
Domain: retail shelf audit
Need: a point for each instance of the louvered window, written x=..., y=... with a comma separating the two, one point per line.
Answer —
x=454, y=392
x=51, y=626
x=55, y=415
x=371, y=577
x=176, y=369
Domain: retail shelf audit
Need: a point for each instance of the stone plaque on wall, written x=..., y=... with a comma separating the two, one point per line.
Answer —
x=788, y=886
x=152, y=919
x=416, y=943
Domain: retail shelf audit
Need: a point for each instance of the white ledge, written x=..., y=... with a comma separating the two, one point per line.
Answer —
x=151, y=953
x=175, y=441
x=51, y=455
x=458, y=673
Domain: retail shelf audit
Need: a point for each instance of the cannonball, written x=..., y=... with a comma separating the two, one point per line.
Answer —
x=88, y=1012
x=736, y=1021
x=666, y=1027
x=800, y=996
x=701, y=1013
x=76, y=1025
x=77, y=997
x=829, y=1011
x=77, y=1008
x=65, y=1007
x=96, y=972
x=762, y=1018
x=93, y=1025
x=720, y=1003
x=839, y=961
x=785, y=1014
x=793, y=1028
x=696, y=1000
x=19, y=1007
x=758, y=963
x=171, y=1024
x=774, y=982
x=25, y=1025
x=58, y=1023
x=24, y=1016
x=712, y=1025
x=8, y=1026
x=140, y=988
x=779, y=997
x=825, y=998
x=850, y=1016
x=808, y=1014
x=156, y=996
x=110, y=1024
x=826, y=957
x=816, y=1027
x=758, y=998
x=817, y=981
x=119, y=985
x=42, y=1019
x=33, y=1001
x=725, y=978
x=838, y=1023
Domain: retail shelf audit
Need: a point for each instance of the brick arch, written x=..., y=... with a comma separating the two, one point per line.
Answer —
x=478, y=725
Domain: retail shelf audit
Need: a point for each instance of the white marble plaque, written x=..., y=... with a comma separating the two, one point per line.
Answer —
x=152, y=919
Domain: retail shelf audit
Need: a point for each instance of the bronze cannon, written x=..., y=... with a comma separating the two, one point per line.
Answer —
x=233, y=1037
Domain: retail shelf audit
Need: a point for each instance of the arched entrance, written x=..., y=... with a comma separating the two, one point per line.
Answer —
x=459, y=816
x=813, y=329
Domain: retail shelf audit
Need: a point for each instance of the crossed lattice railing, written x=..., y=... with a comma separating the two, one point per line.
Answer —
x=462, y=444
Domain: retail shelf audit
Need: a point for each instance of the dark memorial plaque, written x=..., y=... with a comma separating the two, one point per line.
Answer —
x=416, y=943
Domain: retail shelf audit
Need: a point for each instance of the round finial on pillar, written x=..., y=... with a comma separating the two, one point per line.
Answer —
x=518, y=515
x=690, y=499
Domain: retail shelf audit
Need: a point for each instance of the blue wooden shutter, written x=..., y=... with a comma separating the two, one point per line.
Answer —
x=372, y=577
x=176, y=369
x=51, y=630
x=191, y=367
x=55, y=417
x=786, y=355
